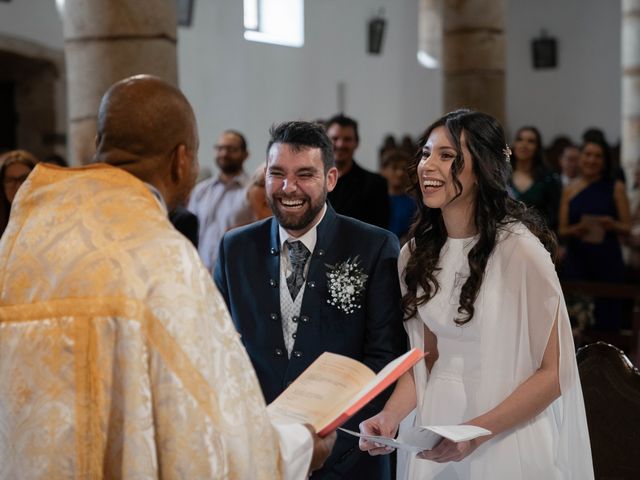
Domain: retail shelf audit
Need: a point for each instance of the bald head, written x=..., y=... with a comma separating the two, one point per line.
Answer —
x=141, y=117
x=142, y=123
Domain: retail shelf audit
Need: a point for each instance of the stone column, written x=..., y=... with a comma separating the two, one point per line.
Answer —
x=474, y=55
x=106, y=41
x=630, y=154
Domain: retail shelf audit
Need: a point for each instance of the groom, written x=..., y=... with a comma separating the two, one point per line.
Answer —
x=309, y=280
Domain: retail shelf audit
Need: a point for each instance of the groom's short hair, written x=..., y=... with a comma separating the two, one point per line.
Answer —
x=301, y=135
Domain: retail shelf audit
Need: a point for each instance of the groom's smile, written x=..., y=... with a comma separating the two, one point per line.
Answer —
x=292, y=203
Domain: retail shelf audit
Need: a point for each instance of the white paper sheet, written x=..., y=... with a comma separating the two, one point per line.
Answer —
x=418, y=439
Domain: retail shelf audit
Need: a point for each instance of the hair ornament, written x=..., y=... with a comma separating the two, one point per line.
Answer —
x=506, y=151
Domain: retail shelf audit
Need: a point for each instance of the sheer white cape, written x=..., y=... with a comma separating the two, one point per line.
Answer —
x=522, y=299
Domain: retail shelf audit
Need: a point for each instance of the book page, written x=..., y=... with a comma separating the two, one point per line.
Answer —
x=373, y=388
x=321, y=392
x=387, y=371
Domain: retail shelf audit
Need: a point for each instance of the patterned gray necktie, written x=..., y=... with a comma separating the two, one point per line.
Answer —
x=298, y=255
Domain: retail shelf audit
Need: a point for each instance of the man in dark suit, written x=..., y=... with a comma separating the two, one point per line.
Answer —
x=359, y=193
x=309, y=280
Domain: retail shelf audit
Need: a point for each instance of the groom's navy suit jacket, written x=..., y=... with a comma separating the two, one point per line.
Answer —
x=248, y=273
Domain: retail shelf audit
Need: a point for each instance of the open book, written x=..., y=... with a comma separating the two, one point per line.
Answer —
x=334, y=388
x=418, y=439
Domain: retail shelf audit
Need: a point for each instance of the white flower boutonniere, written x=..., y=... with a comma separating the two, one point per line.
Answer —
x=346, y=281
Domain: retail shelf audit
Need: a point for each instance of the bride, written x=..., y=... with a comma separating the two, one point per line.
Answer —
x=481, y=295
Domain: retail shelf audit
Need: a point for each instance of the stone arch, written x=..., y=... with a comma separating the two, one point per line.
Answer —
x=34, y=76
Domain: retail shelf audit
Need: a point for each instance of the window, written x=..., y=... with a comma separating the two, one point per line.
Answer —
x=280, y=22
x=430, y=33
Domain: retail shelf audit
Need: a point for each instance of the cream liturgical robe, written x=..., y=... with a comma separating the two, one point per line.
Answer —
x=118, y=358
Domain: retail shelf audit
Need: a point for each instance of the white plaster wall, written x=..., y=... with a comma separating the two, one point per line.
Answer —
x=247, y=86
x=35, y=20
x=585, y=89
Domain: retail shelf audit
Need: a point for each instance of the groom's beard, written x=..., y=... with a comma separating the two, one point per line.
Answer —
x=299, y=219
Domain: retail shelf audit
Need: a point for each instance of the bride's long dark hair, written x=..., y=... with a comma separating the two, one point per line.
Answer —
x=494, y=209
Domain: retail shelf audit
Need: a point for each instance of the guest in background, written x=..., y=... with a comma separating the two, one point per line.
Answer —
x=408, y=145
x=359, y=193
x=531, y=181
x=594, y=211
x=554, y=151
x=220, y=202
x=597, y=135
x=15, y=167
x=395, y=164
x=257, y=195
x=569, y=161
x=388, y=144
x=569, y=164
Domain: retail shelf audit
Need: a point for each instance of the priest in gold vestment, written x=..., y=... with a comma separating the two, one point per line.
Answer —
x=118, y=358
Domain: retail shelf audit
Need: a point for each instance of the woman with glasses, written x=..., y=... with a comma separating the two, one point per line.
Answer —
x=15, y=167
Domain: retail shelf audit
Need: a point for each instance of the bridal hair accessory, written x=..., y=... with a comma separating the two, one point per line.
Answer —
x=346, y=281
x=506, y=151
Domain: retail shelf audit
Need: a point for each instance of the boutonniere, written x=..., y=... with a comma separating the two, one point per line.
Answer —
x=346, y=282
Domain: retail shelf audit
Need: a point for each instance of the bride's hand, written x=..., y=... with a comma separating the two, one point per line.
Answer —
x=449, y=451
x=382, y=425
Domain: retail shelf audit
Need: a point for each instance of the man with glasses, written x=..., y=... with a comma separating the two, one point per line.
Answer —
x=220, y=202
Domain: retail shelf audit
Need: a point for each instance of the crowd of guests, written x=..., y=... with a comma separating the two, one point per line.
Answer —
x=585, y=202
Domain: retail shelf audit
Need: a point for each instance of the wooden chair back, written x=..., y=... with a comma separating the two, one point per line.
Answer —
x=611, y=389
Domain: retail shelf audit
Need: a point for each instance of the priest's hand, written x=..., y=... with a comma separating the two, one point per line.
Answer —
x=383, y=424
x=322, y=447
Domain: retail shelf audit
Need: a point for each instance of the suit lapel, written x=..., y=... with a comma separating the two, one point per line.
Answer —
x=326, y=236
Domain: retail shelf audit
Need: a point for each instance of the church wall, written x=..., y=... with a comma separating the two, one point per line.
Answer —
x=34, y=20
x=585, y=88
x=234, y=83
x=249, y=85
